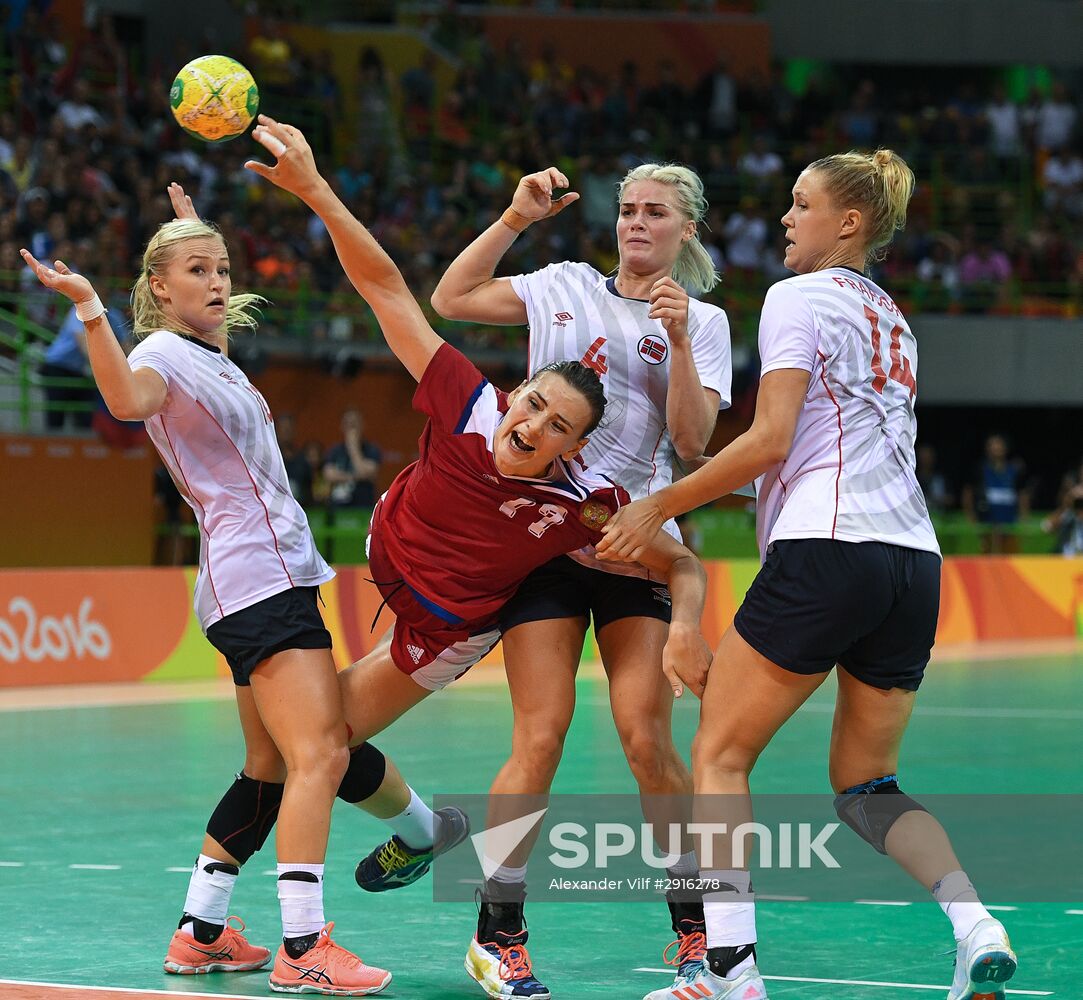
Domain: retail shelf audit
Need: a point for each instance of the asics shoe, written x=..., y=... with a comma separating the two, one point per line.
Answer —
x=691, y=947
x=984, y=961
x=326, y=968
x=394, y=864
x=230, y=952
x=705, y=985
x=502, y=968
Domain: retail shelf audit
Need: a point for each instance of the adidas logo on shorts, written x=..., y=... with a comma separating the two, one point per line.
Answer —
x=416, y=652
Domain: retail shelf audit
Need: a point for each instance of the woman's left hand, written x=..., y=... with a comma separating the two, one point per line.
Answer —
x=295, y=168
x=182, y=203
x=686, y=659
x=631, y=530
x=669, y=303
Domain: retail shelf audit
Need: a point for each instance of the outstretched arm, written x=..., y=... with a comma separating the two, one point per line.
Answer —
x=367, y=265
x=686, y=657
x=129, y=395
x=767, y=442
x=468, y=290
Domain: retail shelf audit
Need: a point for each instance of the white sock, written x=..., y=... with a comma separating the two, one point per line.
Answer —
x=686, y=867
x=507, y=874
x=208, y=893
x=416, y=824
x=301, y=900
x=957, y=898
x=730, y=914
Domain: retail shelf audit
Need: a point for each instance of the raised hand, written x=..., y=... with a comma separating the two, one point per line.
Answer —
x=533, y=198
x=182, y=203
x=295, y=168
x=669, y=303
x=60, y=278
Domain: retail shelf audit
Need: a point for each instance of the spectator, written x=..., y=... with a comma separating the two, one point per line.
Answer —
x=938, y=273
x=1055, y=120
x=998, y=497
x=984, y=276
x=1062, y=178
x=298, y=471
x=717, y=96
x=746, y=236
x=934, y=484
x=352, y=466
x=761, y=166
x=1005, y=129
x=66, y=359
x=1066, y=523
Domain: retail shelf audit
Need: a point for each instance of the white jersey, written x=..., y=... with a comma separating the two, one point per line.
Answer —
x=576, y=313
x=216, y=438
x=850, y=472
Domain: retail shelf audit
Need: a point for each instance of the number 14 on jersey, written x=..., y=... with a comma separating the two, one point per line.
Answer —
x=900, y=370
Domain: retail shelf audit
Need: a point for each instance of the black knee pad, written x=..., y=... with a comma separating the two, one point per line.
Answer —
x=244, y=817
x=871, y=809
x=364, y=774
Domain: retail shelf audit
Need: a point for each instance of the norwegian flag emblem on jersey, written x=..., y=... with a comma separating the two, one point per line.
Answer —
x=653, y=349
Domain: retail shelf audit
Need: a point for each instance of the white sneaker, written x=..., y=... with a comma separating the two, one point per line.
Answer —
x=984, y=961
x=705, y=985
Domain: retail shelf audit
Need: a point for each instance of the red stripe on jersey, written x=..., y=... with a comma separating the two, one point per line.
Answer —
x=654, y=464
x=173, y=451
x=255, y=490
x=838, y=413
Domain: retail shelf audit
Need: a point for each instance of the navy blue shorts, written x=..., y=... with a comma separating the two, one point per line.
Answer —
x=563, y=588
x=287, y=620
x=870, y=607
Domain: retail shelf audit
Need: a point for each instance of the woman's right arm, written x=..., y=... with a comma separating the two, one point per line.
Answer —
x=129, y=395
x=367, y=265
x=468, y=290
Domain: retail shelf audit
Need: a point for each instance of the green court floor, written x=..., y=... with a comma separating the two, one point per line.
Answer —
x=101, y=811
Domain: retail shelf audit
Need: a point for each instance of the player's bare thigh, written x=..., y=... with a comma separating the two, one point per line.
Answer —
x=375, y=692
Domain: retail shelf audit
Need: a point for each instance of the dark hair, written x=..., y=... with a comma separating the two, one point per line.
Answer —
x=583, y=379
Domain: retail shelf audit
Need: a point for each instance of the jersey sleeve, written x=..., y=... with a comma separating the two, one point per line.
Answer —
x=166, y=354
x=449, y=389
x=531, y=287
x=711, y=354
x=788, y=336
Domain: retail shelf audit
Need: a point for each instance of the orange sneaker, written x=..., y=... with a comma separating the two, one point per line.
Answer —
x=326, y=968
x=231, y=952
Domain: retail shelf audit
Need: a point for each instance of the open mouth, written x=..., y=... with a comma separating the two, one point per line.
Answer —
x=216, y=302
x=519, y=444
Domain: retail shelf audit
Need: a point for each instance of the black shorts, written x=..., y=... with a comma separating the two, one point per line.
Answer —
x=870, y=607
x=288, y=620
x=562, y=588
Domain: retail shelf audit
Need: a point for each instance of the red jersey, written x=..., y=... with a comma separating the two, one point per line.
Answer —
x=461, y=535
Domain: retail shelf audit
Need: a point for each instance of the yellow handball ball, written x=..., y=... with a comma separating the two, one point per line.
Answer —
x=214, y=98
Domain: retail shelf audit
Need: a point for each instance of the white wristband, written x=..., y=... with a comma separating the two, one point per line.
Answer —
x=91, y=309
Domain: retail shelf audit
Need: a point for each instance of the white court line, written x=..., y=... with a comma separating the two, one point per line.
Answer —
x=880, y=902
x=1002, y=909
x=97, y=868
x=868, y=982
x=124, y=989
x=12, y=864
x=1074, y=913
x=762, y=897
x=189, y=871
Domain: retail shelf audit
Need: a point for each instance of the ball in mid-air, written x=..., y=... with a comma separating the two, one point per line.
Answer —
x=214, y=98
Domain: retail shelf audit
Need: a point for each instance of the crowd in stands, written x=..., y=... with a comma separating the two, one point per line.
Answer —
x=87, y=147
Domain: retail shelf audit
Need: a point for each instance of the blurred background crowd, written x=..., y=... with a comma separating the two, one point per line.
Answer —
x=428, y=155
